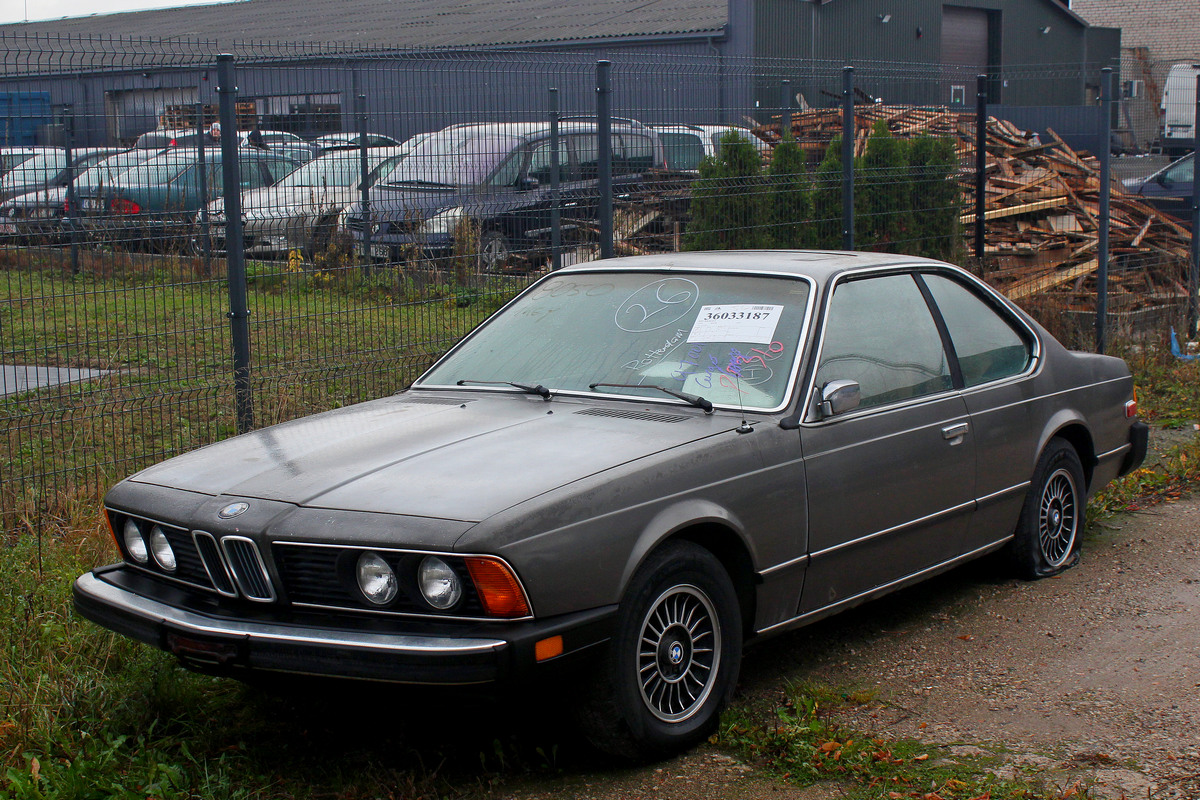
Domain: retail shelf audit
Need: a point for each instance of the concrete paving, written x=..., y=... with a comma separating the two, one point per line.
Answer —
x=15, y=379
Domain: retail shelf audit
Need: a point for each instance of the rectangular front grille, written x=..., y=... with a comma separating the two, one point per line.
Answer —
x=248, y=569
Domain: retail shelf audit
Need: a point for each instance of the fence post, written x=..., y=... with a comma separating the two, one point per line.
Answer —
x=71, y=221
x=202, y=165
x=980, y=162
x=848, y=134
x=785, y=109
x=1193, y=309
x=555, y=202
x=604, y=135
x=1106, y=98
x=364, y=191
x=235, y=258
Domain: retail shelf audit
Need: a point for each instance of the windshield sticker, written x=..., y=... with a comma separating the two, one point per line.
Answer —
x=741, y=322
x=657, y=305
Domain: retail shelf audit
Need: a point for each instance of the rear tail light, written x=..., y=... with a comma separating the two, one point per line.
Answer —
x=122, y=206
x=1131, y=406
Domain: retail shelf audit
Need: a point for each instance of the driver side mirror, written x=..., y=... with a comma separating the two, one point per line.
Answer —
x=528, y=184
x=840, y=396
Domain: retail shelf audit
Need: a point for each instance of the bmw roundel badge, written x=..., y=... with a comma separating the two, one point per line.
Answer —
x=232, y=510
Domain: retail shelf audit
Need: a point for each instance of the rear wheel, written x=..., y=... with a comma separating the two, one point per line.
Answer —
x=1047, y=538
x=673, y=663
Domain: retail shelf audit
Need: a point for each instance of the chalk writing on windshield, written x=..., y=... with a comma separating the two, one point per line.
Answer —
x=657, y=305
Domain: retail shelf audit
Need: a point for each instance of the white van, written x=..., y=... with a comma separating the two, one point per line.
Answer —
x=1179, y=108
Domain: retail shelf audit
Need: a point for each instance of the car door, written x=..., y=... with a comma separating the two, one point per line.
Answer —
x=890, y=484
x=995, y=352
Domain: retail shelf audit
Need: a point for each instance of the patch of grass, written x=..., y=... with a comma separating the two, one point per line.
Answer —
x=801, y=741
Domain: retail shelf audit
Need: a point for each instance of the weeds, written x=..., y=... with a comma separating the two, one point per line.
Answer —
x=800, y=740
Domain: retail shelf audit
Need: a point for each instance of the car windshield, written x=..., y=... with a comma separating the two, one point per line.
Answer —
x=165, y=167
x=38, y=169
x=103, y=173
x=340, y=168
x=731, y=339
x=455, y=157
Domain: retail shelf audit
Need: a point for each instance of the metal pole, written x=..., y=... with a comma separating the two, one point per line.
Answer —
x=364, y=191
x=848, y=158
x=72, y=203
x=555, y=176
x=235, y=258
x=785, y=106
x=1193, y=309
x=202, y=165
x=1106, y=100
x=981, y=83
x=604, y=125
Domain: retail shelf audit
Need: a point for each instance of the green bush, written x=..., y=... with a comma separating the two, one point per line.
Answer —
x=728, y=201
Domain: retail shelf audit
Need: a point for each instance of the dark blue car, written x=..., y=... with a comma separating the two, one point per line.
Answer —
x=1169, y=189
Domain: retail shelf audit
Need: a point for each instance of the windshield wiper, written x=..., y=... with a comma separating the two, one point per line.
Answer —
x=539, y=390
x=690, y=399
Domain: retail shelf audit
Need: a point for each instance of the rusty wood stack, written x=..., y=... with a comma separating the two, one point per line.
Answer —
x=1042, y=209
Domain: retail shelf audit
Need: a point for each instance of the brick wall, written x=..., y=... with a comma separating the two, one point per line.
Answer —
x=1169, y=29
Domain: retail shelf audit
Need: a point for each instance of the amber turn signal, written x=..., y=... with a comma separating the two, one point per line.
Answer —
x=499, y=591
x=548, y=648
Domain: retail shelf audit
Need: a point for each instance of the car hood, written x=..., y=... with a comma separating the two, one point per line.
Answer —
x=448, y=455
x=274, y=201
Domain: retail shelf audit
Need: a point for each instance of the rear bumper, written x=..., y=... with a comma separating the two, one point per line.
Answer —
x=207, y=637
x=1139, y=443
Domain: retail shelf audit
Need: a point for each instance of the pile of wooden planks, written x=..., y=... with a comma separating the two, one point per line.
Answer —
x=1042, y=208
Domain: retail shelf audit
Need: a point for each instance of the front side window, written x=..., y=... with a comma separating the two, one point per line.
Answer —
x=880, y=333
x=988, y=346
x=731, y=339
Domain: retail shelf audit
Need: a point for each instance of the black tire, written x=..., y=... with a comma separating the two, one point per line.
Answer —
x=1048, y=533
x=649, y=702
x=495, y=253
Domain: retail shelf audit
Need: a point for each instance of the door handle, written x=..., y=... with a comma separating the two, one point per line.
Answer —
x=955, y=433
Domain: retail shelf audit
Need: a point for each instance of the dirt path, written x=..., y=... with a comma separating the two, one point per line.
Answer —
x=1093, y=676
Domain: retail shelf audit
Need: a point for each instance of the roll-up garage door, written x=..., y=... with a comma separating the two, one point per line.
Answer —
x=964, y=51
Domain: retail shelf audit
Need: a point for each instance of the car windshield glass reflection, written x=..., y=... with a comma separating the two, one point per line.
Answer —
x=727, y=338
x=342, y=168
x=454, y=158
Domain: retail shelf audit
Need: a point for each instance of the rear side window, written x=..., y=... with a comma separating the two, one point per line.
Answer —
x=684, y=150
x=989, y=346
x=880, y=333
x=632, y=154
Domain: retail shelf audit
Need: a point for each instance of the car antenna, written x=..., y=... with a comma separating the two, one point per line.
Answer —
x=745, y=427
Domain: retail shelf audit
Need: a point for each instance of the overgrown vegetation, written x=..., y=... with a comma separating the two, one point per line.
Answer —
x=800, y=741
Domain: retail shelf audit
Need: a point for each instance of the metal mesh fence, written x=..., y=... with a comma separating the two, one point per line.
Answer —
x=390, y=200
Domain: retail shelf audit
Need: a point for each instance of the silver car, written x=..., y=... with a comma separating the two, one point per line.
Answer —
x=301, y=211
x=629, y=472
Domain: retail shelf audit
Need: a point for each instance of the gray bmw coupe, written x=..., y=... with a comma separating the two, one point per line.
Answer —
x=631, y=471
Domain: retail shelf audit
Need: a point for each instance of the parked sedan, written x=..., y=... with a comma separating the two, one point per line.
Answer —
x=155, y=202
x=48, y=169
x=40, y=216
x=633, y=469
x=301, y=211
x=1169, y=189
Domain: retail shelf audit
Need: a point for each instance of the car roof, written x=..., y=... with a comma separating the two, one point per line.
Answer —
x=530, y=129
x=821, y=265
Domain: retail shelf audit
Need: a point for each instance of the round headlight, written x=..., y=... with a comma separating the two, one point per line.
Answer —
x=376, y=579
x=161, y=548
x=134, y=543
x=439, y=584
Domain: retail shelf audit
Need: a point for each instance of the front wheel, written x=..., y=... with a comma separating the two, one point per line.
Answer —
x=673, y=662
x=1047, y=538
x=494, y=251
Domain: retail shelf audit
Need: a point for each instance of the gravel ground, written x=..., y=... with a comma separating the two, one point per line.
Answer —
x=1091, y=677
